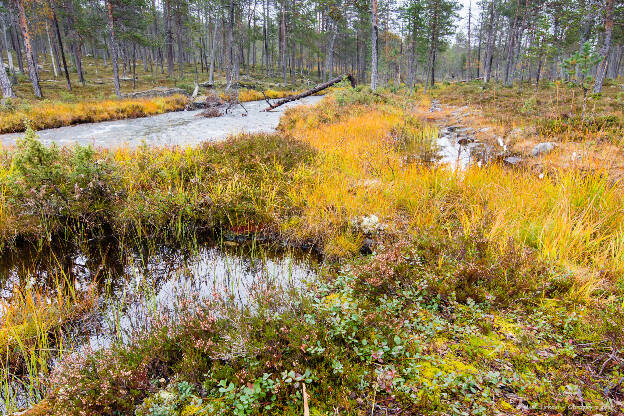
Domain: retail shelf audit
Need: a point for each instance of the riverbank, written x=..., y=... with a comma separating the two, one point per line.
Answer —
x=181, y=128
x=488, y=290
x=16, y=116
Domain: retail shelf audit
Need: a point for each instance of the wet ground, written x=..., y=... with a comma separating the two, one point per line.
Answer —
x=132, y=284
x=131, y=287
x=178, y=128
x=456, y=144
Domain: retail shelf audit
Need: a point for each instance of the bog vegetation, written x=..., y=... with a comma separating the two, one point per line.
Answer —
x=489, y=290
x=465, y=237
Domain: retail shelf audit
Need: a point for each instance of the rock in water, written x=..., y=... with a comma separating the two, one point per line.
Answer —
x=515, y=134
x=543, y=148
x=205, y=101
x=465, y=140
x=211, y=112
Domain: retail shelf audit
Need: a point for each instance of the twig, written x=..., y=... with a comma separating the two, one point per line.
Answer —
x=306, y=409
x=266, y=98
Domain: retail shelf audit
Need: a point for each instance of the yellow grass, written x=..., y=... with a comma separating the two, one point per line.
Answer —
x=571, y=218
x=245, y=95
x=42, y=115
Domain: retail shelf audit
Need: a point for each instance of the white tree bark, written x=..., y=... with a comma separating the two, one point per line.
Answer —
x=374, y=46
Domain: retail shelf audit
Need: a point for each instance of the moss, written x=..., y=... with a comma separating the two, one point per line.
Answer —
x=194, y=410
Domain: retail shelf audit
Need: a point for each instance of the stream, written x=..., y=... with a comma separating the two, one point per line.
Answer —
x=455, y=145
x=169, y=129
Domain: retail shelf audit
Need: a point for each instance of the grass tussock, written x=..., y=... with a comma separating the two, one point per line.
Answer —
x=241, y=182
x=44, y=115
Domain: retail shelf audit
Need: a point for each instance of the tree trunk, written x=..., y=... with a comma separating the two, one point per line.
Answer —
x=511, y=39
x=60, y=43
x=134, y=66
x=5, y=82
x=113, y=47
x=469, y=69
x=53, y=61
x=6, y=46
x=489, y=46
x=212, y=52
x=15, y=41
x=433, y=47
x=374, y=46
x=169, y=38
x=179, y=28
x=74, y=41
x=329, y=62
x=265, y=31
x=230, y=47
x=282, y=41
x=312, y=91
x=606, y=47
x=30, y=58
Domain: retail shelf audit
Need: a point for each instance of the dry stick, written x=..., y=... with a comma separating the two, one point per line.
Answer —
x=266, y=98
x=306, y=408
x=314, y=90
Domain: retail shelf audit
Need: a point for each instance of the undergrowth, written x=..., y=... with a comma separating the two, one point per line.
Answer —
x=380, y=335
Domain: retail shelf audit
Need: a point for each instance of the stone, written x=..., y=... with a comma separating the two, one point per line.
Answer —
x=212, y=112
x=512, y=160
x=368, y=225
x=465, y=140
x=515, y=134
x=367, y=247
x=543, y=148
x=197, y=103
x=530, y=131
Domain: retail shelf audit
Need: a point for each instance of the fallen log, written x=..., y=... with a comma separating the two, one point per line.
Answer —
x=314, y=90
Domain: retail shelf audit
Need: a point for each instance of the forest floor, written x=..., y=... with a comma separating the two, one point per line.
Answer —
x=492, y=290
x=96, y=100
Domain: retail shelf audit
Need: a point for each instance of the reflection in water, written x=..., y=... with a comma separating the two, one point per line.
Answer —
x=161, y=274
x=131, y=286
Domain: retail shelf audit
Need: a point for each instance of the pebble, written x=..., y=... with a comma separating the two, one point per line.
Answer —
x=543, y=148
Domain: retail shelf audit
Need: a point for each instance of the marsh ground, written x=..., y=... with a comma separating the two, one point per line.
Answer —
x=489, y=290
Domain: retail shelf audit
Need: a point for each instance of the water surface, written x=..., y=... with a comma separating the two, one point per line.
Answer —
x=177, y=128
